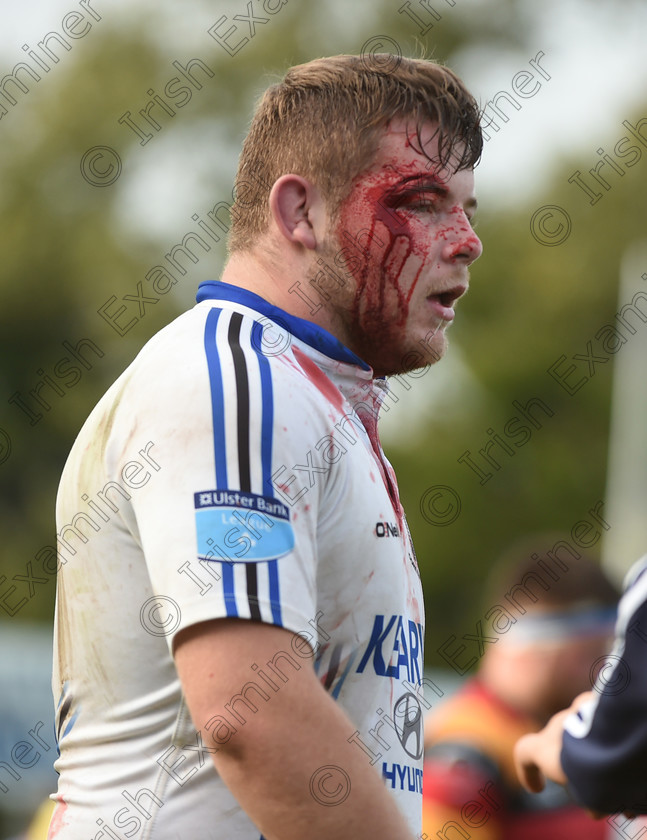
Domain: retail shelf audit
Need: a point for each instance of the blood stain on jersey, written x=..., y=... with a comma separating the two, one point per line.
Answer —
x=320, y=380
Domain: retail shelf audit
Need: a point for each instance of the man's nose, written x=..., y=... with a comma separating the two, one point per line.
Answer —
x=463, y=244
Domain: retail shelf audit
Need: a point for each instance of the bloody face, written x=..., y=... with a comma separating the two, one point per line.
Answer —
x=406, y=241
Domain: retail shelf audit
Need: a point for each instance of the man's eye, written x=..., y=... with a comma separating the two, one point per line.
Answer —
x=424, y=204
x=417, y=203
x=414, y=196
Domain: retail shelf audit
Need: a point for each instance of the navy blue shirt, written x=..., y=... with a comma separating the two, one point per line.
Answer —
x=604, y=751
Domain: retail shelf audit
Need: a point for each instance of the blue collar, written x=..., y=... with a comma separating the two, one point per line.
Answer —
x=305, y=331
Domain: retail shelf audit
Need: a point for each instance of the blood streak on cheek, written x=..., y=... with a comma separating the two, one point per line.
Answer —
x=387, y=239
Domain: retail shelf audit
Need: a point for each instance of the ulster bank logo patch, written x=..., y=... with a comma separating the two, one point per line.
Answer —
x=241, y=527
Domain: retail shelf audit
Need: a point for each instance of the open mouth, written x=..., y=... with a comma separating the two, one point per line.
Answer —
x=443, y=302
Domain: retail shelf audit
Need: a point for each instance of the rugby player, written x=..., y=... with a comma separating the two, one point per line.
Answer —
x=239, y=621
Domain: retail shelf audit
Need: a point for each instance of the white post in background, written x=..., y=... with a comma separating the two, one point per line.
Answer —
x=626, y=491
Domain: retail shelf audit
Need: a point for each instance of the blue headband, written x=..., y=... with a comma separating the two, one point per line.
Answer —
x=564, y=624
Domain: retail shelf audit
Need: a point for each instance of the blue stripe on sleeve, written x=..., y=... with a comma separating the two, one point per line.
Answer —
x=228, y=589
x=340, y=681
x=275, y=596
x=267, y=428
x=217, y=398
x=267, y=421
x=219, y=442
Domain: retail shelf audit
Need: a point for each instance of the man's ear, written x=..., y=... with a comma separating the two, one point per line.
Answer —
x=298, y=210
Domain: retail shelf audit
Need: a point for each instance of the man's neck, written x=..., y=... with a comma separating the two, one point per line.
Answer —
x=287, y=288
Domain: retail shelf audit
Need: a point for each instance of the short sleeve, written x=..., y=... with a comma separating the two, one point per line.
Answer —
x=220, y=522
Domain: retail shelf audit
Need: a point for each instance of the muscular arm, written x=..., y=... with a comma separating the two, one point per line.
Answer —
x=270, y=764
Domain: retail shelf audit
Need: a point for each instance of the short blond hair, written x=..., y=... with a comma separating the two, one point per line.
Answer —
x=325, y=119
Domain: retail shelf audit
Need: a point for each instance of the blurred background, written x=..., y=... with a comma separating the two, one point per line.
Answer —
x=120, y=125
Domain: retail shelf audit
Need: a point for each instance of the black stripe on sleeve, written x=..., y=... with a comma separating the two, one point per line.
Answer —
x=252, y=591
x=242, y=401
x=242, y=427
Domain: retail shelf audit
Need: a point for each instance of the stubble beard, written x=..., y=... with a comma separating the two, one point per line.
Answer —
x=337, y=289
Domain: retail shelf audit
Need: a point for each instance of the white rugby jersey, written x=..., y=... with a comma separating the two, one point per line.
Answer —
x=234, y=469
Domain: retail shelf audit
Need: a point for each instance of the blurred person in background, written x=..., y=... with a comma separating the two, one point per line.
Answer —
x=546, y=623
